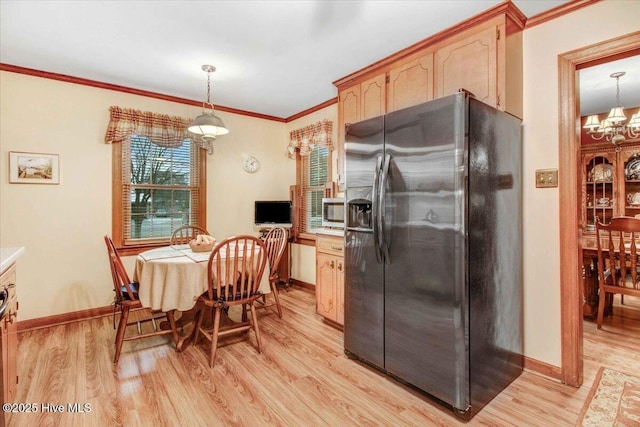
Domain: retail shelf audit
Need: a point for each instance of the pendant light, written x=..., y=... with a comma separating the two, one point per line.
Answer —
x=207, y=126
x=613, y=128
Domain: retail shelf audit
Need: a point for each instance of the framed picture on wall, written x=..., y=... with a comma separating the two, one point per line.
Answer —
x=33, y=168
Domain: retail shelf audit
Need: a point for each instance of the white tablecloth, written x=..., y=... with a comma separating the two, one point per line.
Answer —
x=174, y=277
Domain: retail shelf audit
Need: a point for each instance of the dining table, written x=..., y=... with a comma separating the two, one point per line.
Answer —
x=173, y=278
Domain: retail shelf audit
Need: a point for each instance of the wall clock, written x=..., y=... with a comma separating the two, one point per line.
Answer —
x=250, y=164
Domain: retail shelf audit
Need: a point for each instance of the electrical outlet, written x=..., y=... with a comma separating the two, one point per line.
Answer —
x=546, y=178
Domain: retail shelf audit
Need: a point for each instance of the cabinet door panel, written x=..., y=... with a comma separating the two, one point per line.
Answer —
x=349, y=106
x=469, y=64
x=373, y=97
x=325, y=286
x=348, y=112
x=599, y=190
x=411, y=83
x=340, y=291
x=629, y=178
x=9, y=341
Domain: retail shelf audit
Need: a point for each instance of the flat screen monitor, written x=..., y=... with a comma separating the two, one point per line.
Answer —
x=271, y=213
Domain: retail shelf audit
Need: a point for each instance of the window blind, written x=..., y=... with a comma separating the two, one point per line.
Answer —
x=312, y=175
x=160, y=188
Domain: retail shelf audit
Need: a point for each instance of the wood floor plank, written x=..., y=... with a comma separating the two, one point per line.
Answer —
x=301, y=378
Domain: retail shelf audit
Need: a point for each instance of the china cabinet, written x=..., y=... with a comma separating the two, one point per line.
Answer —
x=610, y=187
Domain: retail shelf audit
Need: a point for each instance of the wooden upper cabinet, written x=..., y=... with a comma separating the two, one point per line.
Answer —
x=470, y=64
x=411, y=82
x=372, y=97
x=482, y=55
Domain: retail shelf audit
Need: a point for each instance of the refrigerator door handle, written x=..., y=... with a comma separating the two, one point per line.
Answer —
x=384, y=245
x=374, y=209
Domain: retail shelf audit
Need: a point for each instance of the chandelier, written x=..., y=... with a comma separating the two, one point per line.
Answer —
x=614, y=129
x=207, y=126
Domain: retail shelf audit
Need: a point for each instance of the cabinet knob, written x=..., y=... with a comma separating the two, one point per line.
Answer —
x=332, y=264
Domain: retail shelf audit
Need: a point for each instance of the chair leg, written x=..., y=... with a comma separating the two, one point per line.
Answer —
x=274, y=291
x=601, y=303
x=254, y=324
x=122, y=326
x=197, y=323
x=172, y=322
x=214, y=336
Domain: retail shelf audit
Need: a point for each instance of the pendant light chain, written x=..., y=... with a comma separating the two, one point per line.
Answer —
x=209, y=88
x=618, y=91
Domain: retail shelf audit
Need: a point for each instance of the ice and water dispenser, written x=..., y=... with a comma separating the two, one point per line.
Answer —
x=359, y=209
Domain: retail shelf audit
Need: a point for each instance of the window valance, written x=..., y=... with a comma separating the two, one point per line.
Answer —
x=161, y=129
x=304, y=139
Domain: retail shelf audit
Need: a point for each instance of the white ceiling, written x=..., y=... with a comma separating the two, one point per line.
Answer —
x=272, y=57
x=598, y=89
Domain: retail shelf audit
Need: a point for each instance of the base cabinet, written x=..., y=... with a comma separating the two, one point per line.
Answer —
x=330, y=278
x=9, y=341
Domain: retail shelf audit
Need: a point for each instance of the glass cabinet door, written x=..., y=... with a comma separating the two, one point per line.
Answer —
x=631, y=191
x=600, y=192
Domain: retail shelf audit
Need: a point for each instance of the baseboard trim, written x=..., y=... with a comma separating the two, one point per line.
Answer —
x=60, y=319
x=76, y=316
x=542, y=368
x=302, y=284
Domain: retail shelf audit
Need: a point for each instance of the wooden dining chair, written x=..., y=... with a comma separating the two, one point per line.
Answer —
x=234, y=273
x=184, y=234
x=126, y=300
x=275, y=241
x=618, y=260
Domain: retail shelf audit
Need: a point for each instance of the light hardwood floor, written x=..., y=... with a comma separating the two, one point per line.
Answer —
x=302, y=378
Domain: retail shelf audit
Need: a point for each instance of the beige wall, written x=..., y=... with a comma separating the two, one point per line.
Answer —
x=303, y=258
x=65, y=267
x=542, y=44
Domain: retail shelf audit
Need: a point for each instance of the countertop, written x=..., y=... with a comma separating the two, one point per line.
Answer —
x=8, y=256
x=331, y=231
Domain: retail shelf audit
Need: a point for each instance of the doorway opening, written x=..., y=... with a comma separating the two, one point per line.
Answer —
x=570, y=260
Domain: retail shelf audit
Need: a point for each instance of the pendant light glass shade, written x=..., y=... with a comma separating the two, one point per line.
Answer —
x=592, y=123
x=208, y=125
x=616, y=115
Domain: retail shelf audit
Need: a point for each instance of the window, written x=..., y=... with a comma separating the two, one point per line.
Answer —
x=156, y=189
x=312, y=146
x=312, y=177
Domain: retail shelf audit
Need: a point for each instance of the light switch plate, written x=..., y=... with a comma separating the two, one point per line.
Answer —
x=546, y=178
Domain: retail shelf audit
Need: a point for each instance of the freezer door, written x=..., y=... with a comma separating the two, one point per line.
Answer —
x=495, y=251
x=364, y=272
x=425, y=287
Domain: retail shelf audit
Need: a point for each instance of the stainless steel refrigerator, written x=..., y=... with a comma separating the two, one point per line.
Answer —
x=433, y=259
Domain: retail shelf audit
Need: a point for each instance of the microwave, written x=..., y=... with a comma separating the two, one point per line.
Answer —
x=333, y=212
